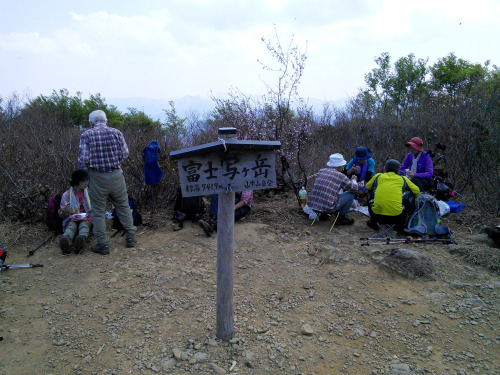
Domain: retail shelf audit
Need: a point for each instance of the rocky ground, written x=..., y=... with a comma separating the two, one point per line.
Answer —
x=307, y=300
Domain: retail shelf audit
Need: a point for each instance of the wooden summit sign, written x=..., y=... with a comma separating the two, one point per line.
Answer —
x=225, y=167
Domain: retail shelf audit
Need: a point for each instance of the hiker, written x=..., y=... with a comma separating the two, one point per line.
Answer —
x=325, y=196
x=189, y=208
x=363, y=166
x=76, y=213
x=388, y=206
x=417, y=165
x=102, y=149
x=242, y=206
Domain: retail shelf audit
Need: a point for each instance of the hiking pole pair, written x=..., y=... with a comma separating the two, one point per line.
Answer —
x=392, y=241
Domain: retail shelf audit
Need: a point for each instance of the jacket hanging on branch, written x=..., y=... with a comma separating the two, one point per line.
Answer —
x=152, y=172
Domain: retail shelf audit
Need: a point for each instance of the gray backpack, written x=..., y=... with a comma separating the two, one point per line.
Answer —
x=426, y=218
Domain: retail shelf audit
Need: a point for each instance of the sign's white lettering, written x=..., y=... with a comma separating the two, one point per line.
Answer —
x=220, y=173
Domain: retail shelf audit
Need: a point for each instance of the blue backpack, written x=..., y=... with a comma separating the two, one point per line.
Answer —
x=137, y=217
x=426, y=218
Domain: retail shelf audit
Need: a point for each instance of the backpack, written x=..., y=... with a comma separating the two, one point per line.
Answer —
x=426, y=218
x=136, y=216
x=53, y=220
x=191, y=207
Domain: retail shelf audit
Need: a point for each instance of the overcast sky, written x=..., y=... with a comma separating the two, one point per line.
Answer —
x=170, y=49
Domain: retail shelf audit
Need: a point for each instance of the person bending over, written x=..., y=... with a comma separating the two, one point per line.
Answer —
x=363, y=166
x=325, y=196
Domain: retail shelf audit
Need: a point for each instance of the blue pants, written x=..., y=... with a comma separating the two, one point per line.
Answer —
x=345, y=202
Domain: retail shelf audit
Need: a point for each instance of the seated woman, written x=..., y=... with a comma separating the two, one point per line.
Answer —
x=76, y=212
x=363, y=166
x=417, y=165
x=388, y=206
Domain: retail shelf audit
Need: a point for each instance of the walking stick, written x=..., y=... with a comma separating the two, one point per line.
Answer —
x=286, y=167
x=31, y=252
x=9, y=266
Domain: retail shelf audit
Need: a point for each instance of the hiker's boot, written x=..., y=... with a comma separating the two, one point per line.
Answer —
x=344, y=220
x=101, y=248
x=65, y=244
x=372, y=224
x=80, y=243
x=206, y=227
x=131, y=239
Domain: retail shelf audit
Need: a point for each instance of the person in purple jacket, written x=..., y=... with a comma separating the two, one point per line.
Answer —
x=417, y=165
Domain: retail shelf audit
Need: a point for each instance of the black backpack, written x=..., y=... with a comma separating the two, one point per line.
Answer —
x=187, y=208
x=137, y=217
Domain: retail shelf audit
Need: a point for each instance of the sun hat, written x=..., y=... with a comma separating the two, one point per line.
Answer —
x=392, y=165
x=336, y=160
x=416, y=143
x=362, y=153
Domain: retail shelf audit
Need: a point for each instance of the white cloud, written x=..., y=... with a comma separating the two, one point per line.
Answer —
x=31, y=43
x=195, y=46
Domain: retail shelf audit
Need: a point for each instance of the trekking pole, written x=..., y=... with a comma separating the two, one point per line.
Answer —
x=9, y=266
x=153, y=205
x=392, y=241
x=286, y=166
x=31, y=252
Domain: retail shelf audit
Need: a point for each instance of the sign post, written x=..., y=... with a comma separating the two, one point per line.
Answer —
x=225, y=167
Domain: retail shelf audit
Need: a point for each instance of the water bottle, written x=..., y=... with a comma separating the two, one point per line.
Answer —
x=303, y=196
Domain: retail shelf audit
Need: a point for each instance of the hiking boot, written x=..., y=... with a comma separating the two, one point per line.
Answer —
x=80, y=243
x=101, y=248
x=65, y=243
x=372, y=224
x=344, y=220
x=206, y=227
x=131, y=239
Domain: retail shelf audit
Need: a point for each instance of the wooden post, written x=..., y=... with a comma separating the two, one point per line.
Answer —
x=225, y=167
x=225, y=266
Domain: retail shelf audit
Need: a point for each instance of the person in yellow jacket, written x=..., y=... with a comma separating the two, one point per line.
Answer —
x=389, y=187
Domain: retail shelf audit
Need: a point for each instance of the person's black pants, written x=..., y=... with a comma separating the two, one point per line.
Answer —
x=424, y=184
x=399, y=221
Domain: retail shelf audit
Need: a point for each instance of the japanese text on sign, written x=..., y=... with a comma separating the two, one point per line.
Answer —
x=220, y=173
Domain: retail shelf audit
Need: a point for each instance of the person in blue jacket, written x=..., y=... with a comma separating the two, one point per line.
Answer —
x=363, y=166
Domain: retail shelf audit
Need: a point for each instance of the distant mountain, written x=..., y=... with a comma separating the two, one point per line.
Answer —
x=154, y=108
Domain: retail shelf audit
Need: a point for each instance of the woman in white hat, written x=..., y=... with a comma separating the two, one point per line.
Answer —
x=325, y=196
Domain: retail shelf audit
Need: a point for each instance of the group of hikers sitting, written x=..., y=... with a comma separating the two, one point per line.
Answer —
x=336, y=186
x=334, y=190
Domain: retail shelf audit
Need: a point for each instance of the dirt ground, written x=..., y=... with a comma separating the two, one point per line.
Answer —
x=307, y=300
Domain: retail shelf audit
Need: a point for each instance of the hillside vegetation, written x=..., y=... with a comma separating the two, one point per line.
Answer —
x=453, y=102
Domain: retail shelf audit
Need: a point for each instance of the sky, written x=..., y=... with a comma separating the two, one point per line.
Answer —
x=174, y=48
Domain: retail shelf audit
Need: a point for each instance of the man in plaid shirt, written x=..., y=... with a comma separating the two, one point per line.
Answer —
x=325, y=196
x=102, y=149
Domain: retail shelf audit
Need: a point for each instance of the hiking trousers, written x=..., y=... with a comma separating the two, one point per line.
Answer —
x=81, y=228
x=104, y=186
